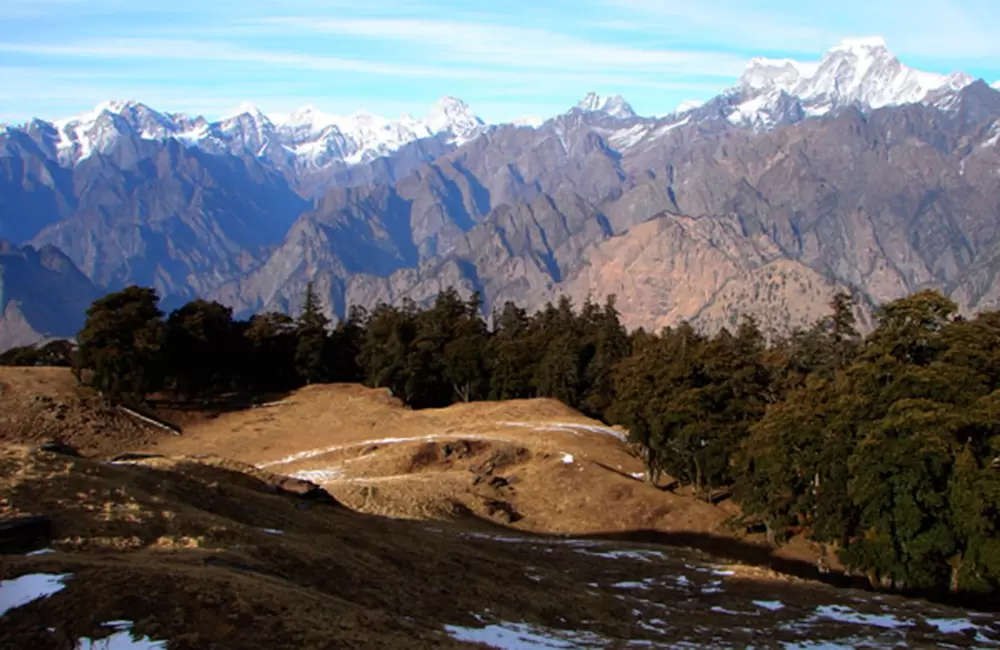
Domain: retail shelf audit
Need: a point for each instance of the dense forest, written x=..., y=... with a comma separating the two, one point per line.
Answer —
x=884, y=447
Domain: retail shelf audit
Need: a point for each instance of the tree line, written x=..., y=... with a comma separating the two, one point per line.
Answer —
x=884, y=447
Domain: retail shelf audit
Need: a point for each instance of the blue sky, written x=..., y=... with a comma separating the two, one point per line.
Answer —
x=506, y=59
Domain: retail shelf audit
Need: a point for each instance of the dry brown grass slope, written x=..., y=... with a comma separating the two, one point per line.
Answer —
x=536, y=465
x=203, y=548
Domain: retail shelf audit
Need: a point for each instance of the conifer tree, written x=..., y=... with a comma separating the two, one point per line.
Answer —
x=120, y=344
x=310, y=353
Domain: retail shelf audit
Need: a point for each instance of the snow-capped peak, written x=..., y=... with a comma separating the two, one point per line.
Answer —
x=247, y=108
x=996, y=85
x=612, y=105
x=857, y=71
x=453, y=115
x=763, y=73
x=688, y=105
x=861, y=44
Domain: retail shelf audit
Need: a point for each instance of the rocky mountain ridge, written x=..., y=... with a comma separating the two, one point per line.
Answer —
x=701, y=215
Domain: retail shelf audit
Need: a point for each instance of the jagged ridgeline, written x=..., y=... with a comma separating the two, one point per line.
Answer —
x=854, y=172
x=884, y=447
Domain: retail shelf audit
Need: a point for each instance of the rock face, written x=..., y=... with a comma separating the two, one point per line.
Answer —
x=42, y=295
x=852, y=173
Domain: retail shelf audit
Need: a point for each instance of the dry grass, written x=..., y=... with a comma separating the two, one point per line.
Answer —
x=42, y=404
x=179, y=547
x=377, y=456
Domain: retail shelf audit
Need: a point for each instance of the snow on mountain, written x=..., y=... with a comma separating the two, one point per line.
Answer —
x=688, y=105
x=98, y=130
x=306, y=136
x=531, y=121
x=856, y=71
x=612, y=105
x=996, y=85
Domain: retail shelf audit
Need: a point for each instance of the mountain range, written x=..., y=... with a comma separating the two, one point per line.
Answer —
x=855, y=172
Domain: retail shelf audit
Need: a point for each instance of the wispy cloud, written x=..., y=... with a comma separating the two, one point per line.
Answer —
x=518, y=47
x=506, y=59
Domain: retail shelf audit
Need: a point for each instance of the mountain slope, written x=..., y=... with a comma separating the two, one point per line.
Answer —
x=854, y=171
x=42, y=295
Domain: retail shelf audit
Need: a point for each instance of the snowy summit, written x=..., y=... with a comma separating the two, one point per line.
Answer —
x=612, y=105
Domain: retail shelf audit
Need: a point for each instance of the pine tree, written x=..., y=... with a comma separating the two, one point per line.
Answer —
x=120, y=344
x=310, y=353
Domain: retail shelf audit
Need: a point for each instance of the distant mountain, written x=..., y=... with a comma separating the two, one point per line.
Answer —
x=307, y=136
x=42, y=295
x=854, y=172
x=614, y=106
x=857, y=72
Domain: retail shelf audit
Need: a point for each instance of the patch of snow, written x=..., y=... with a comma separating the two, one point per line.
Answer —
x=634, y=585
x=591, y=429
x=41, y=551
x=567, y=458
x=722, y=610
x=272, y=531
x=714, y=587
x=625, y=138
x=845, y=644
x=770, y=605
x=28, y=588
x=520, y=636
x=751, y=112
x=952, y=625
x=688, y=105
x=641, y=556
x=122, y=639
x=312, y=453
x=639, y=476
x=847, y=615
x=530, y=121
x=667, y=128
x=319, y=475
x=993, y=137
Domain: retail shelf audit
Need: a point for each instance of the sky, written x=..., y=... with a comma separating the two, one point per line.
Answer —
x=506, y=59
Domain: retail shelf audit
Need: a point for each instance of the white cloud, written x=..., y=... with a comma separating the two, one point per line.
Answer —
x=523, y=48
x=943, y=29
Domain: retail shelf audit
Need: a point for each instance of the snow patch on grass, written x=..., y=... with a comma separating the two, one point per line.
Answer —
x=642, y=556
x=770, y=605
x=41, y=551
x=847, y=615
x=312, y=453
x=122, y=639
x=952, y=625
x=520, y=636
x=29, y=588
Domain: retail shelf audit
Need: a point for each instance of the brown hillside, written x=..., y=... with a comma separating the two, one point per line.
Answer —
x=197, y=554
x=44, y=404
x=534, y=464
